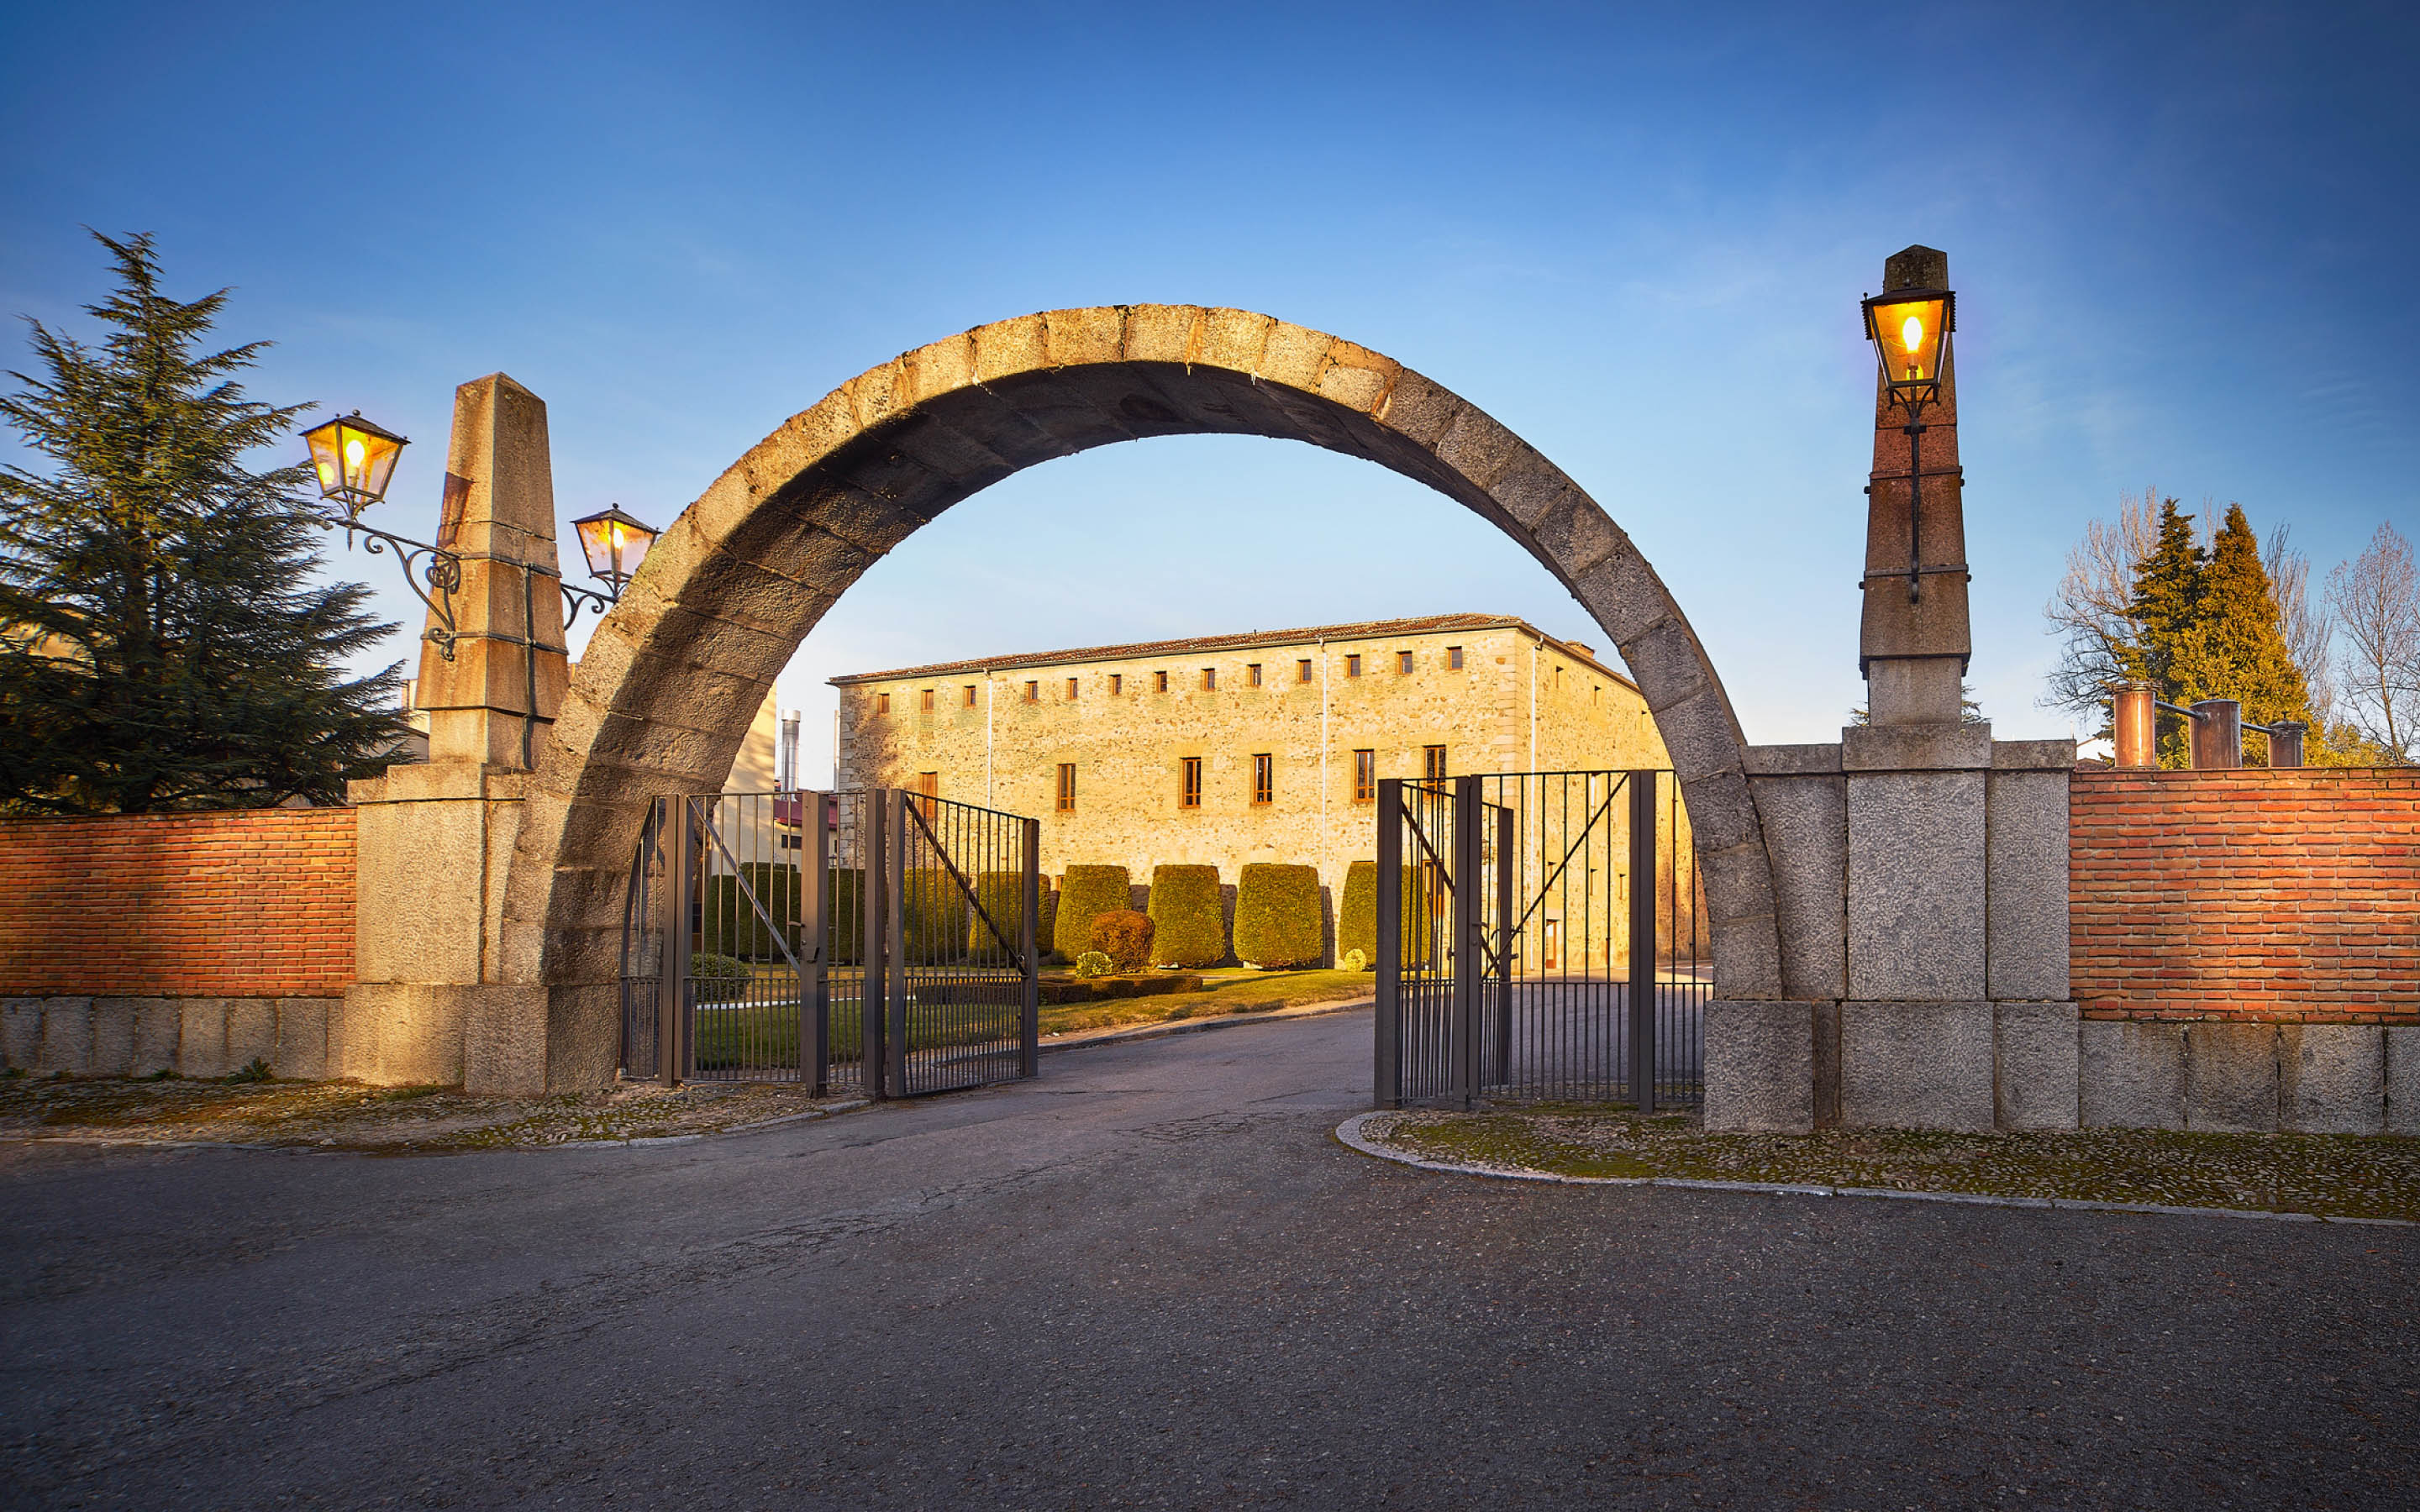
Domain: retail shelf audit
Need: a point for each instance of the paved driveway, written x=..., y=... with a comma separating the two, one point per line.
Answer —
x=1151, y=1279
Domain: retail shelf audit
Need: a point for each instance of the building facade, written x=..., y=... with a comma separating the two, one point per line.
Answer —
x=1222, y=751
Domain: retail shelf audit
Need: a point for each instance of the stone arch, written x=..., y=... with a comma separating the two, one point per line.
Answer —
x=672, y=677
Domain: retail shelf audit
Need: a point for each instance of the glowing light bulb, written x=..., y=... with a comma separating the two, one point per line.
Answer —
x=354, y=450
x=1911, y=336
x=618, y=539
x=326, y=475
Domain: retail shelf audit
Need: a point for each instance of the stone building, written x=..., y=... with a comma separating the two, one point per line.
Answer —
x=1227, y=750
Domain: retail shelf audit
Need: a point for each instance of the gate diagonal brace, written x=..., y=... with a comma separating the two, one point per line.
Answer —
x=960, y=878
x=772, y=927
x=1547, y=884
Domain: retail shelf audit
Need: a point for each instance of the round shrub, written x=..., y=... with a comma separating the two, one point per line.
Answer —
x=719, y=978
x=1277, y=916
x=1355, y=961
x=1094, y=963
x=1189, y=927
x=1086, y=893
x=1125, y=936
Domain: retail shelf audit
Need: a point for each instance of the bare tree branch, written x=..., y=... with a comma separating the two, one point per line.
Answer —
x=2376, y=598
x=2089, y=612
x=2304, y=625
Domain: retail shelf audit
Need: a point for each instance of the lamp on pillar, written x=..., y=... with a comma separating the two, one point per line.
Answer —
x=1910, y=328
x=615, y=544
x=354, y=461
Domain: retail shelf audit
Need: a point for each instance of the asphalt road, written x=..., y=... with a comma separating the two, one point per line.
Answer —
x=1152, y=1278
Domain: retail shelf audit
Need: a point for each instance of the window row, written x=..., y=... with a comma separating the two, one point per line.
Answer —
x=1188, y=778
x=1304, y=671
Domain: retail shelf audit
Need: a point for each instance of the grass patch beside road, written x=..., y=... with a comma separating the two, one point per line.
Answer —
x=1222, y=992
x=2338, y=1176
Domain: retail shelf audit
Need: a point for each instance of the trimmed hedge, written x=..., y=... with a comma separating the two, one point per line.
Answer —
x=1086, y=893
x=1188, y=924
x=934, y=915
x=1277, y=916
x=1356, y=917
x=1125, y=936
x=1003, y=896
x=734, y=928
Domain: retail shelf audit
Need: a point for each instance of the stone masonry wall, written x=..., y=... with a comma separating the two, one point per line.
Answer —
x=2254, y=896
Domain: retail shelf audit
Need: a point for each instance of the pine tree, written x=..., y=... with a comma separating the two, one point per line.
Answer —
x=163, y=648
x=2237, y=649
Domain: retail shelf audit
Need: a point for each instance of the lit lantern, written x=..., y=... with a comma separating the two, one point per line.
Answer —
x=1910, y=328
x=353, y=460
x=615, y=544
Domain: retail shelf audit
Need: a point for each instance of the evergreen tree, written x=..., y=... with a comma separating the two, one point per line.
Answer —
x=2238, y=647
x=2166, y=614
x=163, y=648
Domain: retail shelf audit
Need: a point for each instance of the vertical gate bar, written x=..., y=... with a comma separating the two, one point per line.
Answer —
x=894, y=945
x=814, y=944
x=1031, y=910
x=1470, y=921
x=1503, y=932
x=873, y=948
x=1642, y=941
x=672, y=960
x=1389, y=1090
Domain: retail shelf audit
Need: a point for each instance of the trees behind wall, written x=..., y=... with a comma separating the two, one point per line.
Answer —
x=161, y=643
x=2149, y=596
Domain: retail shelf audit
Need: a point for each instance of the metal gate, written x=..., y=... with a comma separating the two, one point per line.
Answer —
x=873, y=940
x=1539, y=940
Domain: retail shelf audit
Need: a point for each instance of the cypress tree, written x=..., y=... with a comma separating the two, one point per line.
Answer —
x=163, y=647
x=2237, y=649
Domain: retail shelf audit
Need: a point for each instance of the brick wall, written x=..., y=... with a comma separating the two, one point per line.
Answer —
x=2282, y=896
x=255, y=903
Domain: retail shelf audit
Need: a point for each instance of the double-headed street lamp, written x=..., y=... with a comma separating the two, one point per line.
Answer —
x=355, y=461
x=1910, y=328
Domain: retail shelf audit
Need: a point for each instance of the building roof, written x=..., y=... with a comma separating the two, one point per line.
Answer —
x=1141, y=650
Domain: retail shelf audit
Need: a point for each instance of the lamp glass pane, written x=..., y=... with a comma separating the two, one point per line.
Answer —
x=1908, y=333
x=630, y=543
x=596, y=543
x=323, y=442
x=379, y=464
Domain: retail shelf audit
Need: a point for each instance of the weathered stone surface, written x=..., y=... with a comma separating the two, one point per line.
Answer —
x=2026, y=840
x=113, y=1037
x=1793, y=760
x=156, y=1020
x=2231, y=1077
x=2032, y=756
x=1916, y=1066
x=2035, y=1050
x=67, y=1035
x=2333, y=1077
x=1746, y=964
x=1915, y=748
x=2132, y=1074
x=252, y=1032
x=2402, y=1078
x=1806, y=825
x=302, y=1052
x=202, y=1037
x=21, y=1032
x=1759, y=1075
x=399, y=1034
x=1916, y=894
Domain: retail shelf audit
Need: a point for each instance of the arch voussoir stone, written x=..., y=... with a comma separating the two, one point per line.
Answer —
x=739, y=579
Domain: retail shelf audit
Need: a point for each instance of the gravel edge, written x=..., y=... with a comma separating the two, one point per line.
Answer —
x=1352, y=1134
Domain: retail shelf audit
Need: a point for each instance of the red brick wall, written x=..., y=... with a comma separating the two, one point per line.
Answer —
x=2291, y=896
x=254, y=902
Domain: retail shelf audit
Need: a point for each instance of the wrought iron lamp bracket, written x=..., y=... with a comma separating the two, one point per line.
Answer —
x=441, y=571
x=576, y=598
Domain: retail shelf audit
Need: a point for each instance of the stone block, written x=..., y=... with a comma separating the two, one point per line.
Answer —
x=2032, y=756
x=2231, y=1077
x=155, y=1035
x=397, y=1034
x=1666, y=662
x=302, y=1038
x=504, y=1048
x=202, y=1037
x=1699, y=734
x=1915, y=748
x=252, y=1032
x=2333, y=1077
x=113, y=1037
x=1916, y=889
x=67, y=1035
x=2035, y=1054
x=21, y=1032
x=2131, y=1074
x=1917, y=1065
x=2026, y=840
x=1760, y=1067
x=1793, y=760
x=2403, y=1079
x=1748, y=961
x=1622, y=594
x=1805, y=825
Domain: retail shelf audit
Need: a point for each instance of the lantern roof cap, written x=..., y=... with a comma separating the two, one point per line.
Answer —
x=1917, y=266
x=615, y=512
x=355, y=422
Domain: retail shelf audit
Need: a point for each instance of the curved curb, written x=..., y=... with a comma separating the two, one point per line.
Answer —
x=1351, y=1133
x=1224, y=1021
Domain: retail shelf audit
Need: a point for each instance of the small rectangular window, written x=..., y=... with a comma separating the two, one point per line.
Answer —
x=1253, y=674
x=882, y=703
x=1263, y=776
x=971, y=696
x=1365, y=777
x=1454, y=659
x=929, y=787
x=1033, y=692
x=1188, y=793
x=1352, y=666
x=1117, y=683
x=1432, y=763
x=1302, y=672
x=1071, y=687
x=1160, y=682
x=925, y=700
x=1067, y=787
x=1403, y=662
x=1209, y=679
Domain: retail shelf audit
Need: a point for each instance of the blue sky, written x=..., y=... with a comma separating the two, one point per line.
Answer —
x=2184, y=237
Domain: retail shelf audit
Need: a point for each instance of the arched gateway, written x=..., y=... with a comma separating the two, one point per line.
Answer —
x=673, y=676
